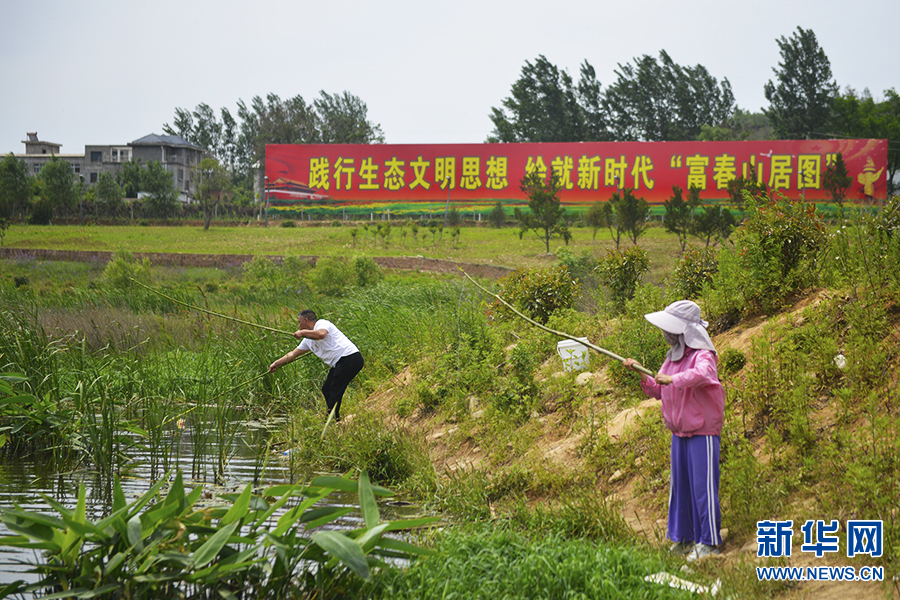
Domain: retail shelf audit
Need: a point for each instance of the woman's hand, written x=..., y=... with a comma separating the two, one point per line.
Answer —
x=630, y=363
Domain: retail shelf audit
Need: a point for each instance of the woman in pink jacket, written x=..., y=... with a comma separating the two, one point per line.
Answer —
x=693, y=407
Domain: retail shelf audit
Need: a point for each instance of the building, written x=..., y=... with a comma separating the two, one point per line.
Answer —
x=38, y=153
x=174, y=153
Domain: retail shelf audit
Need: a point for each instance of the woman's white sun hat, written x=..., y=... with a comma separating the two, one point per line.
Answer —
x=682, y=319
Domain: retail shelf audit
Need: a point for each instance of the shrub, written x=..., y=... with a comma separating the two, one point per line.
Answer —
x=261, y=269
x=580, y=266
x=779, y=244
x=124, y=267
x=336, y=223
x=367, y=271
x=288, y=224
x=537, y=292
x=334, y=275
x=41, y=212
x=696, y=267
x=622, y=271
x=732, y=361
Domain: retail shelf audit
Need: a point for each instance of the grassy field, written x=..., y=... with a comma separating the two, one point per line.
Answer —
x=475, y=244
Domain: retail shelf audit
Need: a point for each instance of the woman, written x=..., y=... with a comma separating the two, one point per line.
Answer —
x=693, y=407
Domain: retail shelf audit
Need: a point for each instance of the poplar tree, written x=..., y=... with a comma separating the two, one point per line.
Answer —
x=801, y=100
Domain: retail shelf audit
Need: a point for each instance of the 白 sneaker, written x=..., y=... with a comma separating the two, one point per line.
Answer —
x=681, y=547
x=701, y=550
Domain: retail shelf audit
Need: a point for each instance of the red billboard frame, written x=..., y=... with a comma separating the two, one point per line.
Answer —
x=337, y=174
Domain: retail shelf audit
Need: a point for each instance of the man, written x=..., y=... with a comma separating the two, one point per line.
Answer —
x=326, y=341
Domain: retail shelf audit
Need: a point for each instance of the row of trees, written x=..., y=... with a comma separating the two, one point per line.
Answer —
x=625, y=214
x=650, y=101
x=238, y=140
x=58, y=191
x=655, y=99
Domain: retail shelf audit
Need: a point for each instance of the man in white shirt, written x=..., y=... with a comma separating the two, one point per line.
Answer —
x=326, y=341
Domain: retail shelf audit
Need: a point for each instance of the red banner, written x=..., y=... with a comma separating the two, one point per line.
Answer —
x=589, y=171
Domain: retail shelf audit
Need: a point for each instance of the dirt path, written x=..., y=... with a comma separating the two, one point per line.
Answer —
x=402, y=263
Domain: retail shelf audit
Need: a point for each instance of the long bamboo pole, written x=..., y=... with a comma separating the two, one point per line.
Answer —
x=209, y=312
x=561, y=334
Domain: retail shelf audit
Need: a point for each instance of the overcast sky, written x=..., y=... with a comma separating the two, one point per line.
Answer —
x=110, y=72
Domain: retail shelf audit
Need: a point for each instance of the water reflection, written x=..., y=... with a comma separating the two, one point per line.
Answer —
x=25, y=482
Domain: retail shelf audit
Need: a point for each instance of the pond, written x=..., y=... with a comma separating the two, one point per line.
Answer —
x=249, y=461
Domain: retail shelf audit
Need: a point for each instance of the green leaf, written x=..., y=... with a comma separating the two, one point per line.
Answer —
x=119, y=501
x=20, y=399
x=287, y=520
x=208, y=551
x=97, y=592
x=176, y=490
x=405, y=547
x=325, y=515
x=345, y=550
x=335, y=483
x=135, y=533
x=411, y=523
x=347, y=485
x=73, y=593
x=367, y=501
x=368, y=539
x=12, y=588
x=13, y=377
x=238, y=510
x=191, y=499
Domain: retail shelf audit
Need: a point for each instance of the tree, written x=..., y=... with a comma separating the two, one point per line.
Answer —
x=546, y=106
x=739, y=186
x=861, y=116
x=229, y=140
x=632, y=213
x=183, y=124
x=109, y=194
x=800, y=103
x=837, y=181
x=15, y=187
x=545, y=216
x=713, y=222
x=663, y=101
x=131, y=178
x=272, y=121
x=497, y=216
x=160, y=187
x=343, y=120
x=207, y=131
x=214, y=184
x=59, y=184
x=680, y=213
x=597, y=216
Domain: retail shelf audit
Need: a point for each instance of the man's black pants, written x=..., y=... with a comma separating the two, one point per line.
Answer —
x=339, y=377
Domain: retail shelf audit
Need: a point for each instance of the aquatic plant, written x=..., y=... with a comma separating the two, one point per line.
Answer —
x=268, y=545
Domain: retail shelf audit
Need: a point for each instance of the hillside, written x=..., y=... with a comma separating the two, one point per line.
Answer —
x=559, y=448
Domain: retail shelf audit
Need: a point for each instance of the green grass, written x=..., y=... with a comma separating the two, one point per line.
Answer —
x=476, y=244
x=488, y=561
